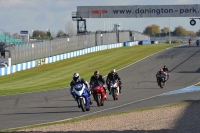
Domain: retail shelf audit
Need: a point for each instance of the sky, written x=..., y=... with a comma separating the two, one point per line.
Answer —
x=18, y=15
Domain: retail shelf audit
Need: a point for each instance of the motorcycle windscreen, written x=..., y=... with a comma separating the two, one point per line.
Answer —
x=79, y=89
x=113, y=84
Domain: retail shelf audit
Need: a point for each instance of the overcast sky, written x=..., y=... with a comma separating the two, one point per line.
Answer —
x=17, y=15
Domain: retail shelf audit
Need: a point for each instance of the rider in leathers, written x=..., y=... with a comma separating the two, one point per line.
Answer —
x=77, y=80
x=161, y=72
x=97, y=77
x=113, y=76
x=165, y=69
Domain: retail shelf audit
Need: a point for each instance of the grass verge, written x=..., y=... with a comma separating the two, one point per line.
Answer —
x=59, y=74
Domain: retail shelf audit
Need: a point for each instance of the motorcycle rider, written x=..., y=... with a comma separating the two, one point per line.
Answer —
x=113, y=76
x=190, y=41
x=165, y=69
x=161, y=72
x=97, y=77
x=197, y=42
x=78, y=80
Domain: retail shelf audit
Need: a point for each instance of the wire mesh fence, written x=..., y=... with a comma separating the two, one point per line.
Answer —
x=28, y=51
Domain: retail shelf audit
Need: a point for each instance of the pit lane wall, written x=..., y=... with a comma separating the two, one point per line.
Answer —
x=27, y=65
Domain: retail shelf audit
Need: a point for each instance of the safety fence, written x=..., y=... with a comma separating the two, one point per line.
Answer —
x=31, y=64
x=24, y=52
x=174, y=39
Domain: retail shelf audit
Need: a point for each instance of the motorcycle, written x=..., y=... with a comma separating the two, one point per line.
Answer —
x=190, y=42
x=161, y=80
x=98, y=93
x=82, y=97
x=197, y=43
x=114, y=88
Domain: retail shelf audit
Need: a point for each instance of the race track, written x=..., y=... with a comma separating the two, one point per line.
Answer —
x=139, y=90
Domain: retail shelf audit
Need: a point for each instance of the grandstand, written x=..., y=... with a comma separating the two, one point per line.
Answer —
x=9, y=39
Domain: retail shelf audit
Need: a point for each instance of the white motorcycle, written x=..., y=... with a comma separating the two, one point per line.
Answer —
x=114, y=88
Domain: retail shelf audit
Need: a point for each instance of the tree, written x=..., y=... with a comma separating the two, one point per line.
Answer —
x=16, y=35
x=152, y=30
x=180, y=31
x=165, y=30
x=70, y=30
x=40, y=34
x=198, y=33
x=60, y=33
x=7, y=34
x=148, y=30
x=191, y=33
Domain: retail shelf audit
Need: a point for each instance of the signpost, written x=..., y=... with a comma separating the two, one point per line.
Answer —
x=140, y=11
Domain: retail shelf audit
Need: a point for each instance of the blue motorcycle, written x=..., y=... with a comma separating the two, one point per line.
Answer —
x=82, y=97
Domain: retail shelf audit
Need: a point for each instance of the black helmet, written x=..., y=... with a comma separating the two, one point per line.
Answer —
x=75, y=76
x=96, y=74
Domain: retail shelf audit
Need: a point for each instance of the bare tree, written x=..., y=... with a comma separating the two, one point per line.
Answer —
x=60, y=33
x=16, y=35
x=70, y=30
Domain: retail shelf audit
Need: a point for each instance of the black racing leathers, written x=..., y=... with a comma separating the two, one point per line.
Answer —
x=94, y=80
x=111, y=77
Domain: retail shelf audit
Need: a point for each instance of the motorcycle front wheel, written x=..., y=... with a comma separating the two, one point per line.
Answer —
x=82, y=104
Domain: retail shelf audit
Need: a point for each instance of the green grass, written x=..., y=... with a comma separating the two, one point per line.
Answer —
x=59, y=74
x=96, y=116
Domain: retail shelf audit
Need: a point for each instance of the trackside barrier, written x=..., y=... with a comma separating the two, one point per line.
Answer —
x=131, y=43
x=154, y=42
x=35, y=63
x=144, y=42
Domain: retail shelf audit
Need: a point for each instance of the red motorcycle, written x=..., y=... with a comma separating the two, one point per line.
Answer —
x=190, y=42
x=98, y=93
x=114, y=88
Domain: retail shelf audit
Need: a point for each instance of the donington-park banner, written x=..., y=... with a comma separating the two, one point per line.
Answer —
x=138, y=11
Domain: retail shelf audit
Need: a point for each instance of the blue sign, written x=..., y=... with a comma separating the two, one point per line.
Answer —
x=24, y=32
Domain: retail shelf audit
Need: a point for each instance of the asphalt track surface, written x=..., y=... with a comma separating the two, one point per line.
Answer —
x=140, y=90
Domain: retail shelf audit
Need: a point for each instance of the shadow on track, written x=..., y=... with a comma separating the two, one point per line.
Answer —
x=188, y=122
x=197, y=71
x=184, y=61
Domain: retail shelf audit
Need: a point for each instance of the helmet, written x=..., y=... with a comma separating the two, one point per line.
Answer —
x=113, y=71
x=161, y=69
x=75, y=76
x=96, y=74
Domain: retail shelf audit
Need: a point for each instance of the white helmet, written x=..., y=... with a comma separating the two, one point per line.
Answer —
x=113, y=71
x=75, y=76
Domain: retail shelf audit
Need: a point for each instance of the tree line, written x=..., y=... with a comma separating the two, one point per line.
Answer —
x=155, y=30
x=39, y=34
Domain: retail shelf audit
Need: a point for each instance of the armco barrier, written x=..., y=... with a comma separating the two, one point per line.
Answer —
x=35, y=63
x=131, y=43
x=143, y=42
x=154, y=42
